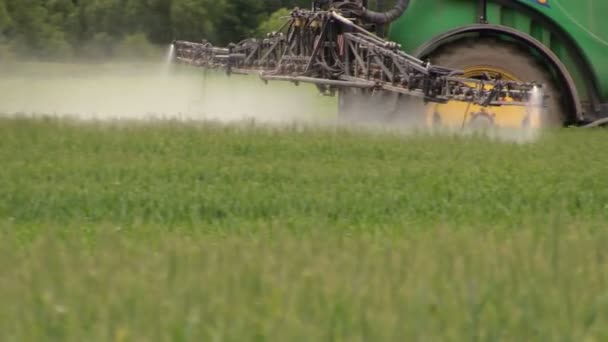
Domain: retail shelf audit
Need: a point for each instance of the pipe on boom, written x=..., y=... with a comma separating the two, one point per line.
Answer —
x=388, y=16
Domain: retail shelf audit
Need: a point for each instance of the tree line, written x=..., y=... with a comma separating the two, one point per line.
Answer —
x=57, y=29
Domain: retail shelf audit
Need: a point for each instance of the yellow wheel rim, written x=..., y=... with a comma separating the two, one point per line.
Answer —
x=456, y=114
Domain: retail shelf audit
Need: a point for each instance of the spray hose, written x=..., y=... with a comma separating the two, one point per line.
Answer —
x=386, y=17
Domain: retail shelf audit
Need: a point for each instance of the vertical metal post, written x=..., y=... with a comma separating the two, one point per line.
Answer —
x=483, y=12
x=347, y=52
x=380, y=27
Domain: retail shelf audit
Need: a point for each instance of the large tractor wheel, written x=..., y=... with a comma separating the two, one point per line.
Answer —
x=493, y=57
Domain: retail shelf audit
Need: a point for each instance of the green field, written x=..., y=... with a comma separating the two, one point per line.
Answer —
x=185, y=231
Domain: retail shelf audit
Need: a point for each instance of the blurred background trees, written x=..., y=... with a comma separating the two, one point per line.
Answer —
x=60, y=29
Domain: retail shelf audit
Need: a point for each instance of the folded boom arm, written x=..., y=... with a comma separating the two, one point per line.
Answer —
x=332, y=49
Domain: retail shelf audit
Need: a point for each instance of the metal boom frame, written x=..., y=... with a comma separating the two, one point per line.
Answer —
x=332, y=49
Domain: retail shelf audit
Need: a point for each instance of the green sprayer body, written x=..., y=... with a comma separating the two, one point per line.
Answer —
x=573, y=31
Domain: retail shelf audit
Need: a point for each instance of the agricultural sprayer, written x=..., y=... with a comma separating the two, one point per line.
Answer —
x=339, y=46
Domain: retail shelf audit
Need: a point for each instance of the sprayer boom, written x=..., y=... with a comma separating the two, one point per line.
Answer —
x=331, y=48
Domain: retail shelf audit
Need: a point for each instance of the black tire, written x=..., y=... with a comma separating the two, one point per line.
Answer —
x=511, y=57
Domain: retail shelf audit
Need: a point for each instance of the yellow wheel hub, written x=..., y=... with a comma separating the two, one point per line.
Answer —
x=456, y=114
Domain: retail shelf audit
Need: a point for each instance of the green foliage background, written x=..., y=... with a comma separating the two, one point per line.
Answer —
x=59, y=29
